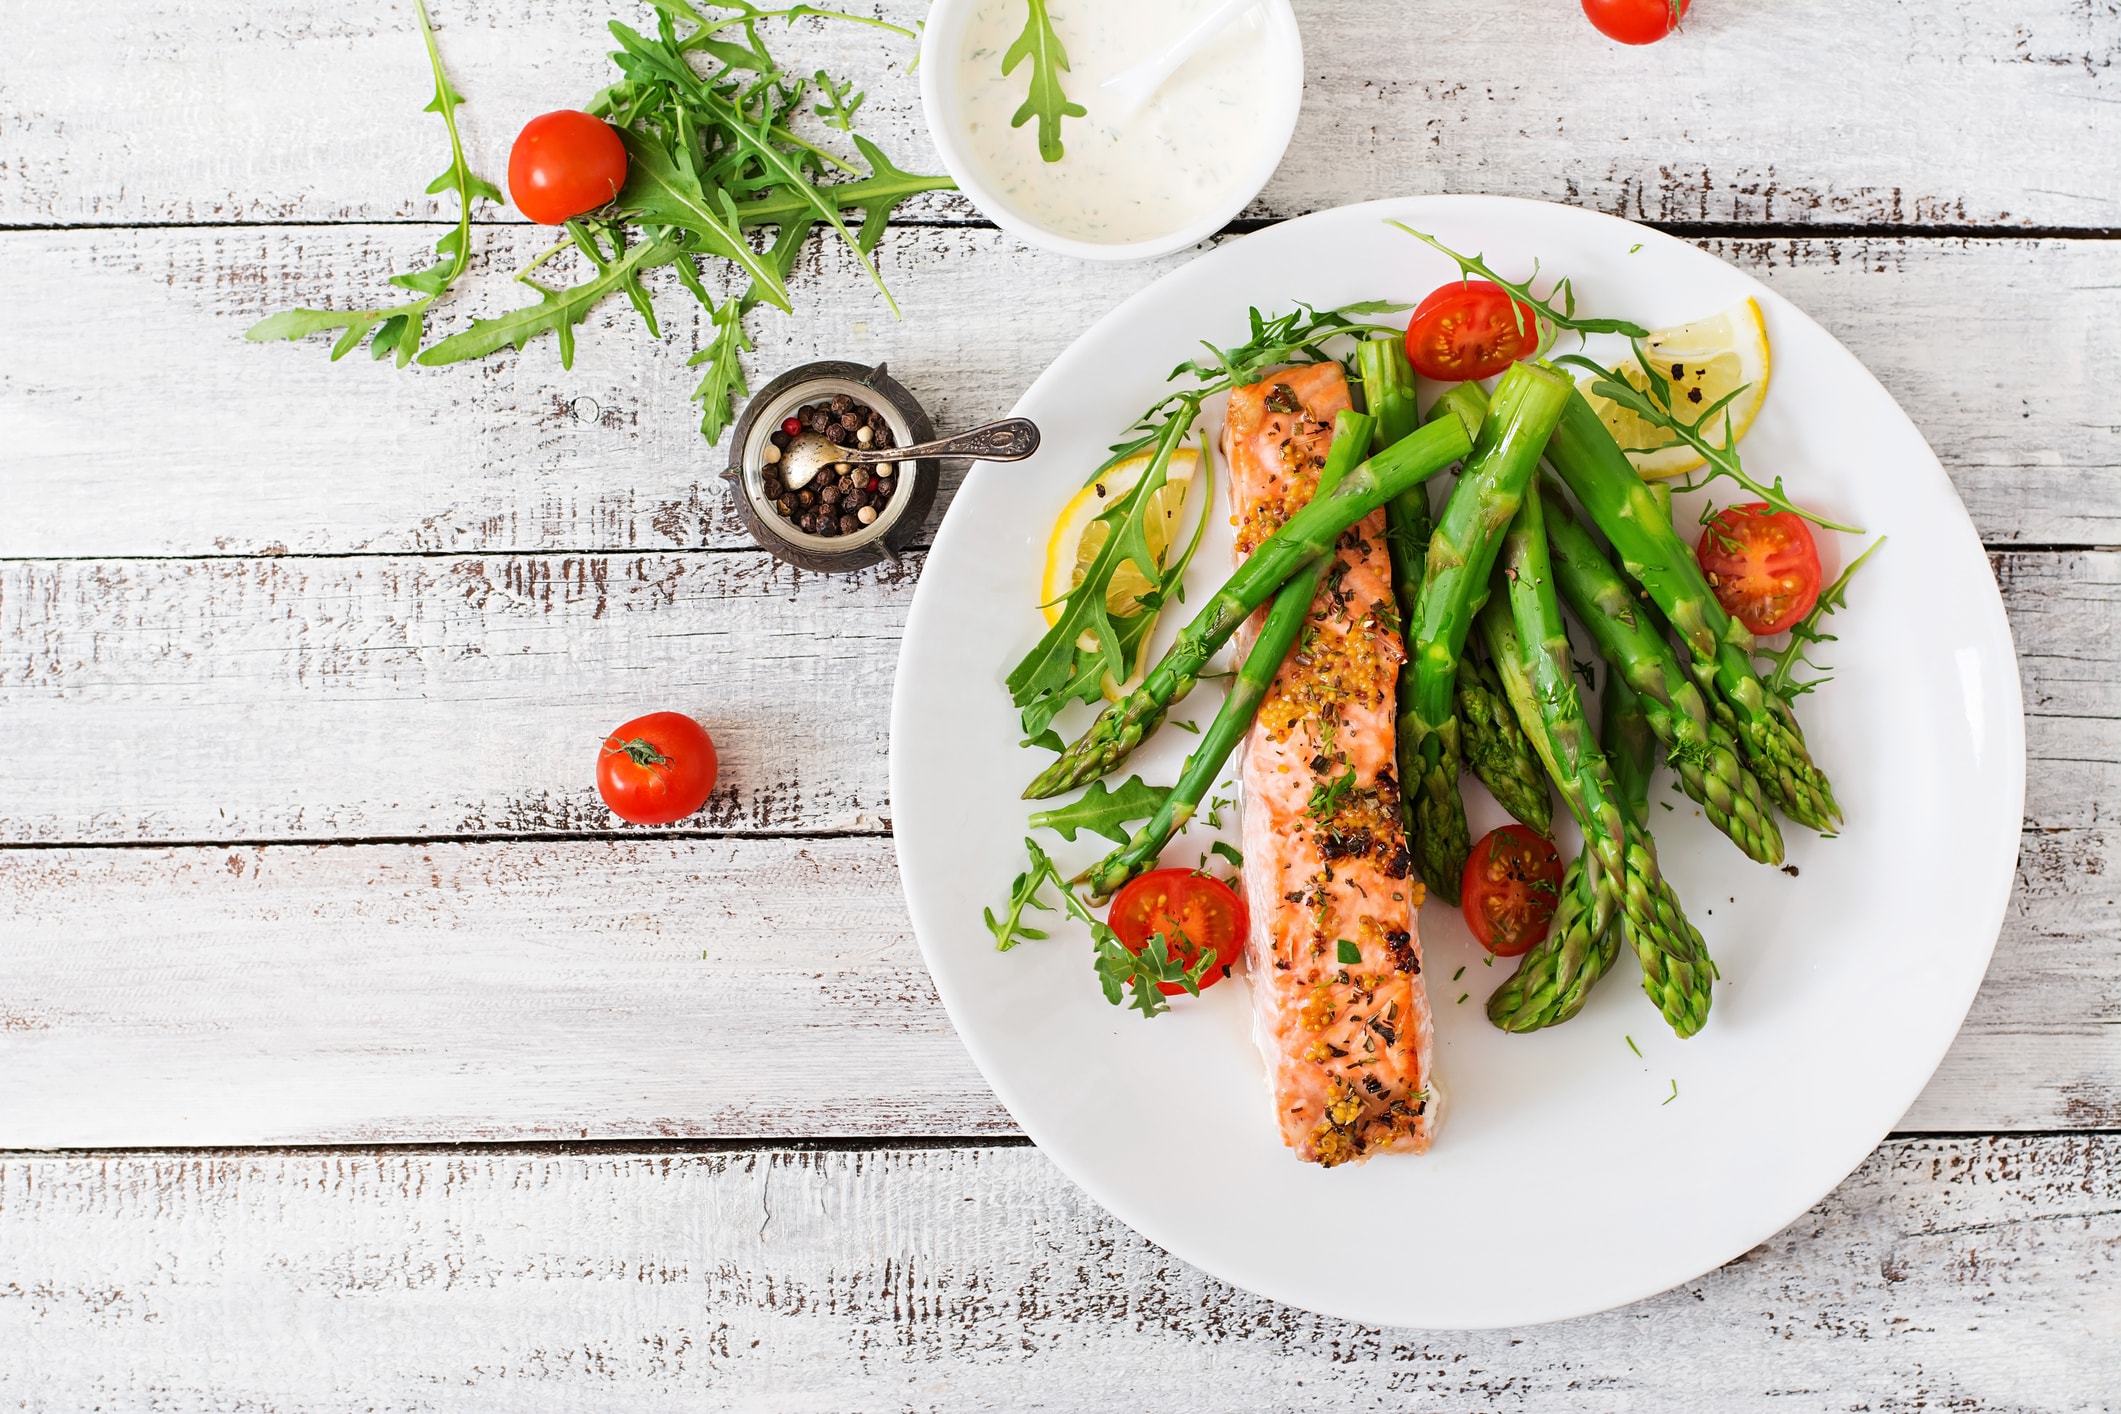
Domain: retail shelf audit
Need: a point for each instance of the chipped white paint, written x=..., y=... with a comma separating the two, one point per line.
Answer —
x=1974, y=1274
x=187, y=440
x=1942, y=112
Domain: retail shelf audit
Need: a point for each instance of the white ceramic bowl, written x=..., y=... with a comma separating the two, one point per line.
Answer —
x=941, y=43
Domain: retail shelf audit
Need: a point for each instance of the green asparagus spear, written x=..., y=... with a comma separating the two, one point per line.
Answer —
x=1700, y=748
x=1620, y=873
x=1719, y=648
x=1490, y=741
x=1285, y=620
x=1384, y=366
x=1495, y=747
x=1555, y=977
x=1307, y=535
x=1462, y=549
x=1630, y=741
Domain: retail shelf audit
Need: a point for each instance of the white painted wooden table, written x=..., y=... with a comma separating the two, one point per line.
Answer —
x=354, y=1058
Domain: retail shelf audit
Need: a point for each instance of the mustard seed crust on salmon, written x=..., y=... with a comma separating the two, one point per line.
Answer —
x=1339, y=1009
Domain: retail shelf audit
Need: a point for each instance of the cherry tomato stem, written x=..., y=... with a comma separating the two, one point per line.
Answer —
x=657, y=769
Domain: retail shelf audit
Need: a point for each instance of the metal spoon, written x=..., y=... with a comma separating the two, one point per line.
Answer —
x=1010, y=440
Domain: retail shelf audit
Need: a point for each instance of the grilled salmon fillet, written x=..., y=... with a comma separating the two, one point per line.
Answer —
x=1347, y=1043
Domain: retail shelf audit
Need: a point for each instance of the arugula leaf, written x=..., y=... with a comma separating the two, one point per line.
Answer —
x=724, y=378
x=399, y=328
x=1009, y=930
x=1781, y=679
x=558, y=310
x=1049, y=60
x=1105, y=812
x=713, y=159
x=837, y=102
x=1555, y=319
x=1143, y=972
x=1051, y=675
x=664, y=191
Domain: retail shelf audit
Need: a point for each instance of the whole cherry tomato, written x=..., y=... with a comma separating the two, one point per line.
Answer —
x=656, y=769
x=1635, y=21
x=564, y=164
x=1763, y=565
x=1194, y=912
x=1510, y=889
x=1469, y=329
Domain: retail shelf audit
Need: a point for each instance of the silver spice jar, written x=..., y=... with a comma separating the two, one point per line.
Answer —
x=898, y=521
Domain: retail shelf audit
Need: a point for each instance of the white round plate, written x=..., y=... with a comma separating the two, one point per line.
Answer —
x=1569, y=1175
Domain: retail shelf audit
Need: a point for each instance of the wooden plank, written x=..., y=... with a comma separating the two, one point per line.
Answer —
x=362, y=697
x=1842, y=112
x=616, y=989
x=178, y=438
x=384, y=696
x=625, y=989
x=1959, y=1273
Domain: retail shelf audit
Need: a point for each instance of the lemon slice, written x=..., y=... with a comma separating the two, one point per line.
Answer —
x=1704, y=361
x=1078, y=535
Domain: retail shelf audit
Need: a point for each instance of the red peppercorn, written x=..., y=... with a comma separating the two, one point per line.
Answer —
x=792, y=426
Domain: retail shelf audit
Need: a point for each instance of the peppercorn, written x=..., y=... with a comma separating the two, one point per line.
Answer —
x=883, y=438
x=838, y=435
x=866, y=515
x=841, y=402
x=808, y=522
x=828, y=525
x=807, y=497
x=849, y=524
x=830, y=496
x=786, y=506
x=780, y=439
x=819, y=421
x=850, y=420
x=773, y=487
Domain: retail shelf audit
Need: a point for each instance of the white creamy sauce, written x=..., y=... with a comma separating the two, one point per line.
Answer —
x=1126, y=177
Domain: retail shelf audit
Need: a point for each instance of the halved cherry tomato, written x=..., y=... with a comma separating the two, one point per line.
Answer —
x=564, y=164
x=1763, y=565
x=1469, y=329
x=657, y=769
x=1635, y=21
x=1510, y=889
x=1194, y=913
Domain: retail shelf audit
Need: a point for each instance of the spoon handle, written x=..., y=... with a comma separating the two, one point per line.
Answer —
x=1009, y=440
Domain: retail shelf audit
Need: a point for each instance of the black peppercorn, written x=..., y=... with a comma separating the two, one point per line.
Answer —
x=841, y=402
x=786, y=506
x=780, y=439
x=830, y=496
x=806, y=498
x=828, y=525
x=849, y=524
x=839, y=435
x=819, y=421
